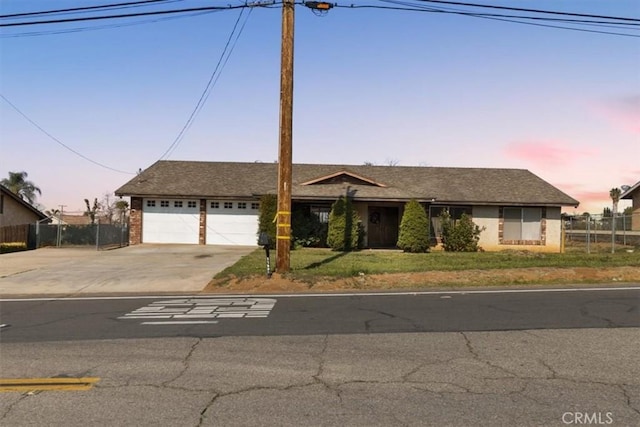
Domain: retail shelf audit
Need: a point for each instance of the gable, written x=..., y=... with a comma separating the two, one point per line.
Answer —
x=343, y=177
x=15, y=211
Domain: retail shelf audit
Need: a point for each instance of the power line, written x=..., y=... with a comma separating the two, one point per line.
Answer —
x=409, y=7
x=115, y=6
x=495, y=15
x=129, y=15
x=105, y=26
x=551, y=12
x=210, y=84
x=58, y=141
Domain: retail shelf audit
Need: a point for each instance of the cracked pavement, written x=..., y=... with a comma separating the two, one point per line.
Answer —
x=524, y=378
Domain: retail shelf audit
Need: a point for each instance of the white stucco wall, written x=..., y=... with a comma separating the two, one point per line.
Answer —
x=487, y=217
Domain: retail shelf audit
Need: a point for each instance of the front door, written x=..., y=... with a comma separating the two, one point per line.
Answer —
x=383, y=227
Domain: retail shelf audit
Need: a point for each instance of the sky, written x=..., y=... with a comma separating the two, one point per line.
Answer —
x=371, y=85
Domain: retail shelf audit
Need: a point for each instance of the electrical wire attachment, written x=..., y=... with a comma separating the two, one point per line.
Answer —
x=319, y=8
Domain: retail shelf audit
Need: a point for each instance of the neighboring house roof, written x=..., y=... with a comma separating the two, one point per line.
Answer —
x=629, y=193
x=4, y=190
x=327, y=182
x=71, y=219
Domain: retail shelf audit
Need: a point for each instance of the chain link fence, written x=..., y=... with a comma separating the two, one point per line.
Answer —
x=101, y=236
x=599, y=233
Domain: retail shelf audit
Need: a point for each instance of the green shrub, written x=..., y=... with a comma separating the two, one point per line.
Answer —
x=459, y=236
x=414, y=228
x=8, y=247
x=345, y=231
x=268, y=210
x=306, y=228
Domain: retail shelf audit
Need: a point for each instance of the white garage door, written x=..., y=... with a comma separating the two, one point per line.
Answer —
x=170, y=221
x=232, y=222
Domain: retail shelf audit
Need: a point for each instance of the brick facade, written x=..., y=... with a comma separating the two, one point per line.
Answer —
x=202, y=237
x=135, y=221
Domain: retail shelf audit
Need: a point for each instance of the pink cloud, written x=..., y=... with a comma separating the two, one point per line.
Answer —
x=548, y=153
x=592, y=197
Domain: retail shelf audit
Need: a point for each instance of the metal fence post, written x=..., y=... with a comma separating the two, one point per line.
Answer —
x=588, y=235
x=98, y=235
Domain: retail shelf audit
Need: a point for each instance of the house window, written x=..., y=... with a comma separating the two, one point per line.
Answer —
x=151, y=203
x=522, y=224
x=177, y=204
x=228, y=205
x=191, y=204
x=322, y=212
x=215, y=205
x=164, y=203
x=255, y=206
x=242, y=205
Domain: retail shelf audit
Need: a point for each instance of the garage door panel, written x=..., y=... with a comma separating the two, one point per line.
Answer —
x=170, y=224
x=232, y=226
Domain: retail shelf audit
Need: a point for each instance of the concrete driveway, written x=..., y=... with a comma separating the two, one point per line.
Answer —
x=135, y=269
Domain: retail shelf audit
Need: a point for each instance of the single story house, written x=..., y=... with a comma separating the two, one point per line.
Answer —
x=218, y=202
x=15, y=211
x=633, y=193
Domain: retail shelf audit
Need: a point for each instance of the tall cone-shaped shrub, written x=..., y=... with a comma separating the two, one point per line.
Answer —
x=344, y=232
x=414, y=228
x=268, y=209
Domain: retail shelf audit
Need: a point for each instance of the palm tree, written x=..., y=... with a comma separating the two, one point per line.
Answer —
x=614, y=193
x=17, y=183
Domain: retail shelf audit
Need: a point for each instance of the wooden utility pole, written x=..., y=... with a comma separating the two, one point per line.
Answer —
x=283, y=217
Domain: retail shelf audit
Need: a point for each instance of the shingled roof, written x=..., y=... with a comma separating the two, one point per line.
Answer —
x=190, y=179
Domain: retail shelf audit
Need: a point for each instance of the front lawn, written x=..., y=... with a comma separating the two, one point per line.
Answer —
x=309, y=263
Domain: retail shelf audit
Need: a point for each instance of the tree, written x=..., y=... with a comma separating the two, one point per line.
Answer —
x=17, y=183
x=268, y=210
x=108, y=208
x=459, y=236
x=122, y=206
x=91, y=212
x=414, y=228
x=615, y=193
x=345, y=231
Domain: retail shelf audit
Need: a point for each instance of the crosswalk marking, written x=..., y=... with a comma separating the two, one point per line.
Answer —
x=200, y=310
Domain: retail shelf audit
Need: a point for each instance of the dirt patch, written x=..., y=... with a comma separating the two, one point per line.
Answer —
x=430, y=279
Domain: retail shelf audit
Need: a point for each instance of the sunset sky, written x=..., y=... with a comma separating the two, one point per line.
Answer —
x=375, y=85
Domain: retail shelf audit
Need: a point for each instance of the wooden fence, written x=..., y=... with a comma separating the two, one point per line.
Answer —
x=15, y=233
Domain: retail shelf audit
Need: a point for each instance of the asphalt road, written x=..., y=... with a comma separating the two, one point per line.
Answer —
x=440, y=359
x=179, y=316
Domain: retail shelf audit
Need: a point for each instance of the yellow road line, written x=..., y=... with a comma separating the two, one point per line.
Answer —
x=46, y=384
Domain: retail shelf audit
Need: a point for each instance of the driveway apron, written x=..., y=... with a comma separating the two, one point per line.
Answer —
x=135, y=269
